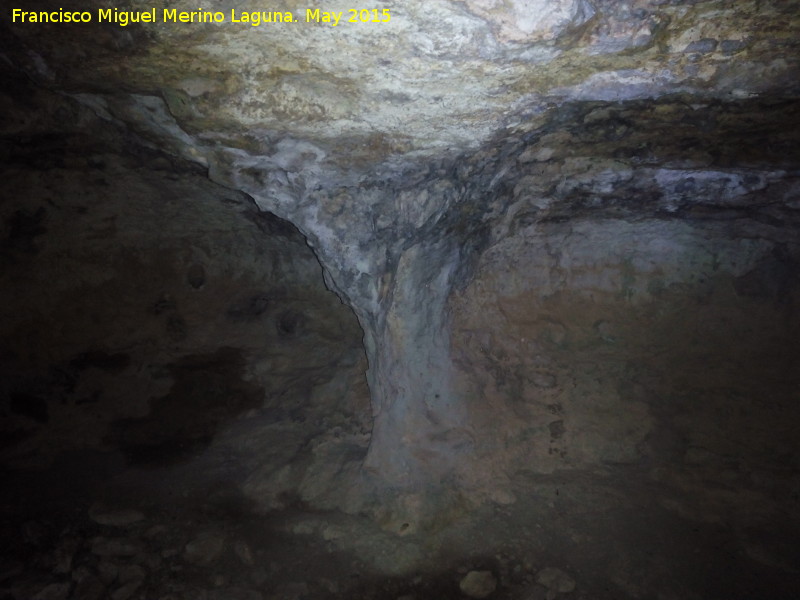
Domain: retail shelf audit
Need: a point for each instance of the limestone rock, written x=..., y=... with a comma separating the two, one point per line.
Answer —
x=115, y=518
x=375, y=267
x=127, y=590
x=502, y=495
x=235, y=593
x=54, y=591
x=129, y=573
x=478, y=584
x=244, y=552
x=555, y=580
x=89, y=588
x=102, y=546
x=204, y=549
x=543, y=379
x=291, y=591
x=156, y=531
x=107, y=571
x=526, y=20
x=65, y=554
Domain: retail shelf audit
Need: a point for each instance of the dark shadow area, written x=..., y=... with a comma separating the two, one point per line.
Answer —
x=207, y=392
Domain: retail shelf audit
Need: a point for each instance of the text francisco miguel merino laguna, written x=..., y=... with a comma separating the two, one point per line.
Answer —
x=171, y=15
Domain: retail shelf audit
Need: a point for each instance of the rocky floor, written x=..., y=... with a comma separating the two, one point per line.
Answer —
x=95, y=527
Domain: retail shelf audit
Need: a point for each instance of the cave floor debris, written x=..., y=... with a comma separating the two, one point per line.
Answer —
x=81, y=531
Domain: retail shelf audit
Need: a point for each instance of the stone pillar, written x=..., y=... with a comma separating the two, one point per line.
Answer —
x=384, y=255
x=419, y=422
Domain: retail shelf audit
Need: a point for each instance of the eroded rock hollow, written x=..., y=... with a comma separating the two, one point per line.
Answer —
x=410, y=300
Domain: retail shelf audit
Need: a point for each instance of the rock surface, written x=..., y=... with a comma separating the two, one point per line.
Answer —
x=558, y=236
x=116, y=518
x=204, y=550
x=478, y=584
x=528, y=112
x=555, y=580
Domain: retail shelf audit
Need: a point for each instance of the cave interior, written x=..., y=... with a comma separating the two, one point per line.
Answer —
x=489, y=300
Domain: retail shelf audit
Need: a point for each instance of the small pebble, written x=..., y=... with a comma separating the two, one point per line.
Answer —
x=478, y=584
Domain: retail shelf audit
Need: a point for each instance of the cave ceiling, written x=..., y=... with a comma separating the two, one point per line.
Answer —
x=341, y=101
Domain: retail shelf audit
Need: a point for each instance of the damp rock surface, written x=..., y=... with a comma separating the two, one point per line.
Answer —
x=478, y=584
x=469, y=298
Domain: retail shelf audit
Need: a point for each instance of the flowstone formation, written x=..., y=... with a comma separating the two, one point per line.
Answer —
x=567, y=229
x=402, y=149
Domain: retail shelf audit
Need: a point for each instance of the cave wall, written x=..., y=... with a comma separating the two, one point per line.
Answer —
x=554, y=302
x=663, y=344
x=674, y=223
x=145, y=309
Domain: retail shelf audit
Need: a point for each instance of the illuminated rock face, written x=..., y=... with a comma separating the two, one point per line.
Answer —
x=423, y=154
x=532, y=20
